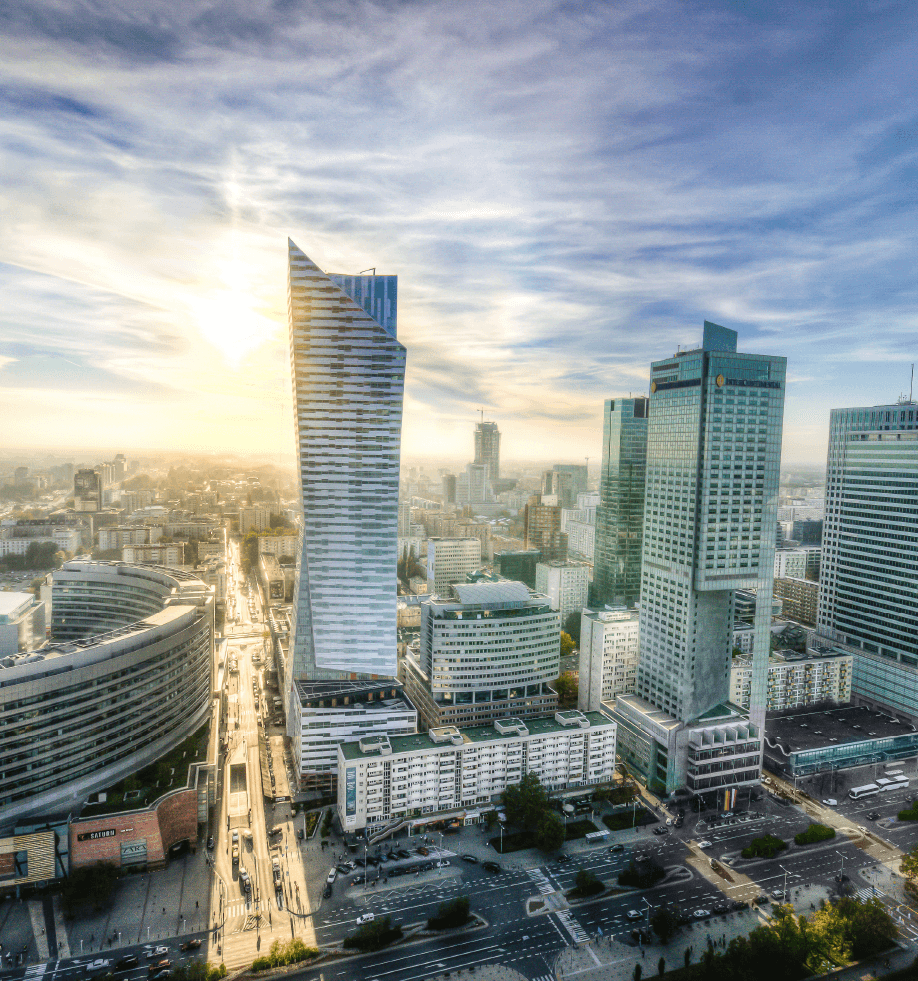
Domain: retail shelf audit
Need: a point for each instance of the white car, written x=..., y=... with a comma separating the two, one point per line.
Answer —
x=157, y=952
x=443, y=864
x=633, y=914
x=366, y=918
x=704, y=843
x=830, y=802
x=700, y=913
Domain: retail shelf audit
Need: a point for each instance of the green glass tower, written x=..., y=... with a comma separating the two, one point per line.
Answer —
x=620, y=515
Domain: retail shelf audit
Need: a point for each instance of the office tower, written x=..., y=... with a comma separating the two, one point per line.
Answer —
x=620, y=515
x=713, y=460
x=609, y=646
x=404, y=518
x=450, y=560
x=489, y=652
x=474, y=486
x=348, y=372
x=87, y=491
x=567, y=586
x=448, y=492
x=487, y=447
x=520, y=566
x=807, y=531
x=542, y=528
x=868, y=591
x=348, y=379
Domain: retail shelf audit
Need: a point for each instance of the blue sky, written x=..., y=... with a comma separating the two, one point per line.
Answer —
x=565, y=190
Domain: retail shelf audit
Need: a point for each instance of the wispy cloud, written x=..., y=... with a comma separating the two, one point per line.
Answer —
x=565, y=190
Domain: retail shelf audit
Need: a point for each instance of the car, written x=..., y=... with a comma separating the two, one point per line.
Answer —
x=777, y=894
x=374, y=861
x=563, y=859
x=470, y=859
x=660, y=830
x=99, y=965
x=720, y=907
x=830, y=802
x=669, y=820
x=873, y=816
x=210, y=843
x=403, y=853
x=361, y=863
x=327, y=892
x=155, y=952
x=680, y=820
x=701, y=913
x=491, y=866
x=634, y=914
x=615, y=849
x=162, y=975
x=332, y=875
x=342, y=869
x=126, y=962
x=235, y=837
x=162, y=965
x=641, y=856
x=391, y=856
x=191, y=944
x=423, y=850
x=365, y=918
x=443, y=863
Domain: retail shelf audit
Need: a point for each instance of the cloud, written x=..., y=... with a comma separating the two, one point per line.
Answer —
x=565, y=191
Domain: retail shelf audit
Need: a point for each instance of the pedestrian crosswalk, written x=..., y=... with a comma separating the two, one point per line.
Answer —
x=539, y=878
x=573, y=927
x=544, y=977
x=236, y=909
x=35, y=970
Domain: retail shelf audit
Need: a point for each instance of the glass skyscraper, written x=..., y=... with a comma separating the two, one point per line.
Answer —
x=868, y=590
x=348, y=373
x=710, y=505
x=620, y=514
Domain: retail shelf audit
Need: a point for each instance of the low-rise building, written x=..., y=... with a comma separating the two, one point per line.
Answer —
x=277, y=545
x=609, y=647
x=449, y=769
x=799, y=598
x=171, y=554
x=795, y=680
x=450, y=560
x=17, y=536
x=22, y=623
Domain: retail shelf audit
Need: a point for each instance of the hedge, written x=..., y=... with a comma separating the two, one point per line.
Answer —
x=814, y=833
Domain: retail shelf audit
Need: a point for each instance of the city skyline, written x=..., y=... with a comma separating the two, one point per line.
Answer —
x=599, y=184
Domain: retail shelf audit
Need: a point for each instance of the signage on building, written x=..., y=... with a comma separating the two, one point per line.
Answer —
x=93, y=835
x=133, y=852
x=350, y=790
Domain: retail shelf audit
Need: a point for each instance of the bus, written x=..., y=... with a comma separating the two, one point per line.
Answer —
x=898, y=781
x=868, y=790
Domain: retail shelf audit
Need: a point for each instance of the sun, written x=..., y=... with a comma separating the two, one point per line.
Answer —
x=228, y=322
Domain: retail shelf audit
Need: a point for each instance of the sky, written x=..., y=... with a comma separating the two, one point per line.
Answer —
x=566, y=191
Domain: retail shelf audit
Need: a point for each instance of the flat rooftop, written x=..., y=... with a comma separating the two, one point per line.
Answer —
x=832, y=727
x=12, y=604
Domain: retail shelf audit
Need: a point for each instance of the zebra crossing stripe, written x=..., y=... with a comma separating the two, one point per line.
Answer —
x=36, y=970
x=572, y=926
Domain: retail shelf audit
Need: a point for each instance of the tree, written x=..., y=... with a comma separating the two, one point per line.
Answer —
x=587, y=884
x=248, y=552
x=525, y=802
x=453, y=913
x=567, y=644
x=909, y=864
x=568, y=689
x=572, y=625
x=665, y=922
x=550, y=832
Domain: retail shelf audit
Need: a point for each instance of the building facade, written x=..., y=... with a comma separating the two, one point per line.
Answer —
x=799, y=598
x=450, y=560
x=87, y=491
x=620, y=514
x=542, y=528
x=520, y=566
x=491, y=652
x=487, y=448
x=462, y=772
x=22, y=622
x=609, y=647
x=796, y=680
x=790, y=563
x=868, y=595
x=348, y=373
x=713, y=461
x=566, y=584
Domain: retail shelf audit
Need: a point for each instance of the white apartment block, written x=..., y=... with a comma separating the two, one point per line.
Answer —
x=451, y=770
x=170, y=555
x=581, y=539
x=116, y=536
x=795, y=680
x=450, y=560
x=277, y=545
x=566, y=584
x=254, y=519
x=609, y=647
x=790, y=563
x=743, y=637
x=16, y=539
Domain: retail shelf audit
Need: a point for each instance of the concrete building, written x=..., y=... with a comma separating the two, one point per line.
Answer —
x=868, y=594
x=542, y=528
x=581, y=540
x=799, y=598
x=326, y=714
x=609, y=647
x=254, y=519
x=795, y=680
x=87, y=491
x=790, y=563
x=171, y=555
x=22, y=623
x=713, y=461
x=126, y=678
x=620, y=514
x=491, y=652
x=487, y=448
x=473, y=487
x=278, y=545
x=448, y=491
x=566, y=584
x=462, y=772
x=450, y=560
x=518, y=565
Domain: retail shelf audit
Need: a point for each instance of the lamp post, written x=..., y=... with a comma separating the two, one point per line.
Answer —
x=841, y=877
x=784, y=870
x=365, y=864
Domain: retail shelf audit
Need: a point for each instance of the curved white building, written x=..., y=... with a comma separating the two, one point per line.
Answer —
x=130, y=679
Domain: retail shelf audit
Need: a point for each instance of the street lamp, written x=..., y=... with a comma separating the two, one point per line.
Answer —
x=784, y=870
x=841, y=877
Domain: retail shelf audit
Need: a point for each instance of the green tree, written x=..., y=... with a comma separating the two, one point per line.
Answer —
x=665, y=922
x=454, y=913
x=587, y=884
x=568, y=689
x=549, y=832
x=572, y=625
x=248, y=552
x=909, y=864
x=567, y=644
x=525, y=802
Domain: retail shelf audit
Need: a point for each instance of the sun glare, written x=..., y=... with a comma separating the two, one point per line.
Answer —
x=228, y=322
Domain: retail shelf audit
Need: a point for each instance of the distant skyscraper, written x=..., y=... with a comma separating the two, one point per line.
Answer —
x=87, y=491
x=713, y=461
x=348, y=381
x=868, y=589
x=620, y=515
x=487, y=447
x=542, y=528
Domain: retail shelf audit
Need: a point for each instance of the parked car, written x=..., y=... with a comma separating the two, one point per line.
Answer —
x=661, y=830
x=327, y=892
x=423, y=850
x=365, y=918
x=490, y=866
x=701, y=913
x=129, y=961
x=162, y=965
x=99, y=966
x=470, y=859
x=443, y=863
x=155, y=952
x=563, y=859
x=830, y=802
x=704, y=843
x=873, y=816
x=403, y=853
x=210, y=843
